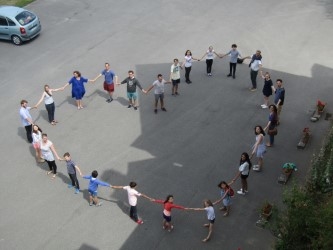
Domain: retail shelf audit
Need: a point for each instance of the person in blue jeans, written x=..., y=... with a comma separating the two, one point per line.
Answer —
x=93, y=186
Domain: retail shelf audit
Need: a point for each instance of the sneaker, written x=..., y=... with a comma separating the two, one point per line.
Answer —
x=155, y=111
x=77, y=191
x=70, y=186
x=108, y=100
x=264, y=106
x=176, y=93
x=241, y=192
x=229, y=75
x=139, y=222
x=99, y=204
x=253, y=89
x=234, y=77
x=129, y=106
x=256, y=168
x=135, y=108
x=164, y=109
x=91, y=203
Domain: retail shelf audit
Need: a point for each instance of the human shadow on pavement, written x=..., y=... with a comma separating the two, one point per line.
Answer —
x=198, y=142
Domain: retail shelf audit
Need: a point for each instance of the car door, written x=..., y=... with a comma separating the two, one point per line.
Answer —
x=4, y=29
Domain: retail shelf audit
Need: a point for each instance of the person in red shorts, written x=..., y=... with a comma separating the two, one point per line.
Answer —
x=108, y=81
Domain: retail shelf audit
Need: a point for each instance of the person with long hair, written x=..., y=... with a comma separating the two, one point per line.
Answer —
x=168, y=205
x=78, y=90
x=37, y=139
x=48, y=152
x=188, y=65
x=225, y=197
x=259, y=148
x=208, y=207
x=272, y=123
x=243, y=172
x=49, y=102
x=268, y=89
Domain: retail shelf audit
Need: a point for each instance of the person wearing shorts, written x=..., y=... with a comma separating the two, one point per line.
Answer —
x=175, y=76
x=159, y=92
x=93, y=186
x=208, y=207
x=167, y=205
x=108, y=84
x=132, y=95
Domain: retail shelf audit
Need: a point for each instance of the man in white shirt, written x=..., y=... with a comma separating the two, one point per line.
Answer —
x=255, y=66
x=159, y=91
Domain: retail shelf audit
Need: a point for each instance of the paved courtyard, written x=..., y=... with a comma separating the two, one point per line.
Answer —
x=185, y=151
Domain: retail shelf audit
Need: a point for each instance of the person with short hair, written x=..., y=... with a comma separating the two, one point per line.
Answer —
x=279, y=98
x=159, y=91
x=234, y=55
x=255, y=66
x=78, y=90
x=208, y=207
x=132, y=95
x=93, y=187
x=133, y=200
x=71, y=170
x=175, y=76
x=108, y=84
x=26, y=119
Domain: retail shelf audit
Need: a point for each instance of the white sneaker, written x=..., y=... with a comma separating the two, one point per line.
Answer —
x=264, y=106
x=256, y=168
x=240, y=192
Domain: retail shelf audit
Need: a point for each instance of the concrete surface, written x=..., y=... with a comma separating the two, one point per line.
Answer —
x=185, y=151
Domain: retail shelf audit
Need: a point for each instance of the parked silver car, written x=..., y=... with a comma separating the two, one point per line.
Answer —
x=18, y=24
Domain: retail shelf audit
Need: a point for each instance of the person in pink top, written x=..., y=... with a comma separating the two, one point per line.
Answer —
x=168, y=205
x=133, y=195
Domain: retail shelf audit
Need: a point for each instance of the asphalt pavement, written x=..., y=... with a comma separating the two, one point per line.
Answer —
x=185, y=151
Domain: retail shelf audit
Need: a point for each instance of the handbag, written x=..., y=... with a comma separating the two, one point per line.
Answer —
x=272, y=131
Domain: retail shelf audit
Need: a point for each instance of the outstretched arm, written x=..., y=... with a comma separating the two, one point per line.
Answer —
x=117, y=187
x=40, y=100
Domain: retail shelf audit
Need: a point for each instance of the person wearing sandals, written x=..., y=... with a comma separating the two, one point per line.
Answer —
x=78, y=90
x=225, y=197
x=208, y=207
x=259, y=148
x=37, y=139
x=48, y=152
x=244, y=170
x=49, y=102
x=168, y=205
x=272, y=123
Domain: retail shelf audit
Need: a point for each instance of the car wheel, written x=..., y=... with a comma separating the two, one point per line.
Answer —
x=16, y=40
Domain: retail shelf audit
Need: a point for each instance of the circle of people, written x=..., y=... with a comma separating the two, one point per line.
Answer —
x=45, y=150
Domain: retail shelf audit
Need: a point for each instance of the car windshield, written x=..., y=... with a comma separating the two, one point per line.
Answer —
x=25, y=17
